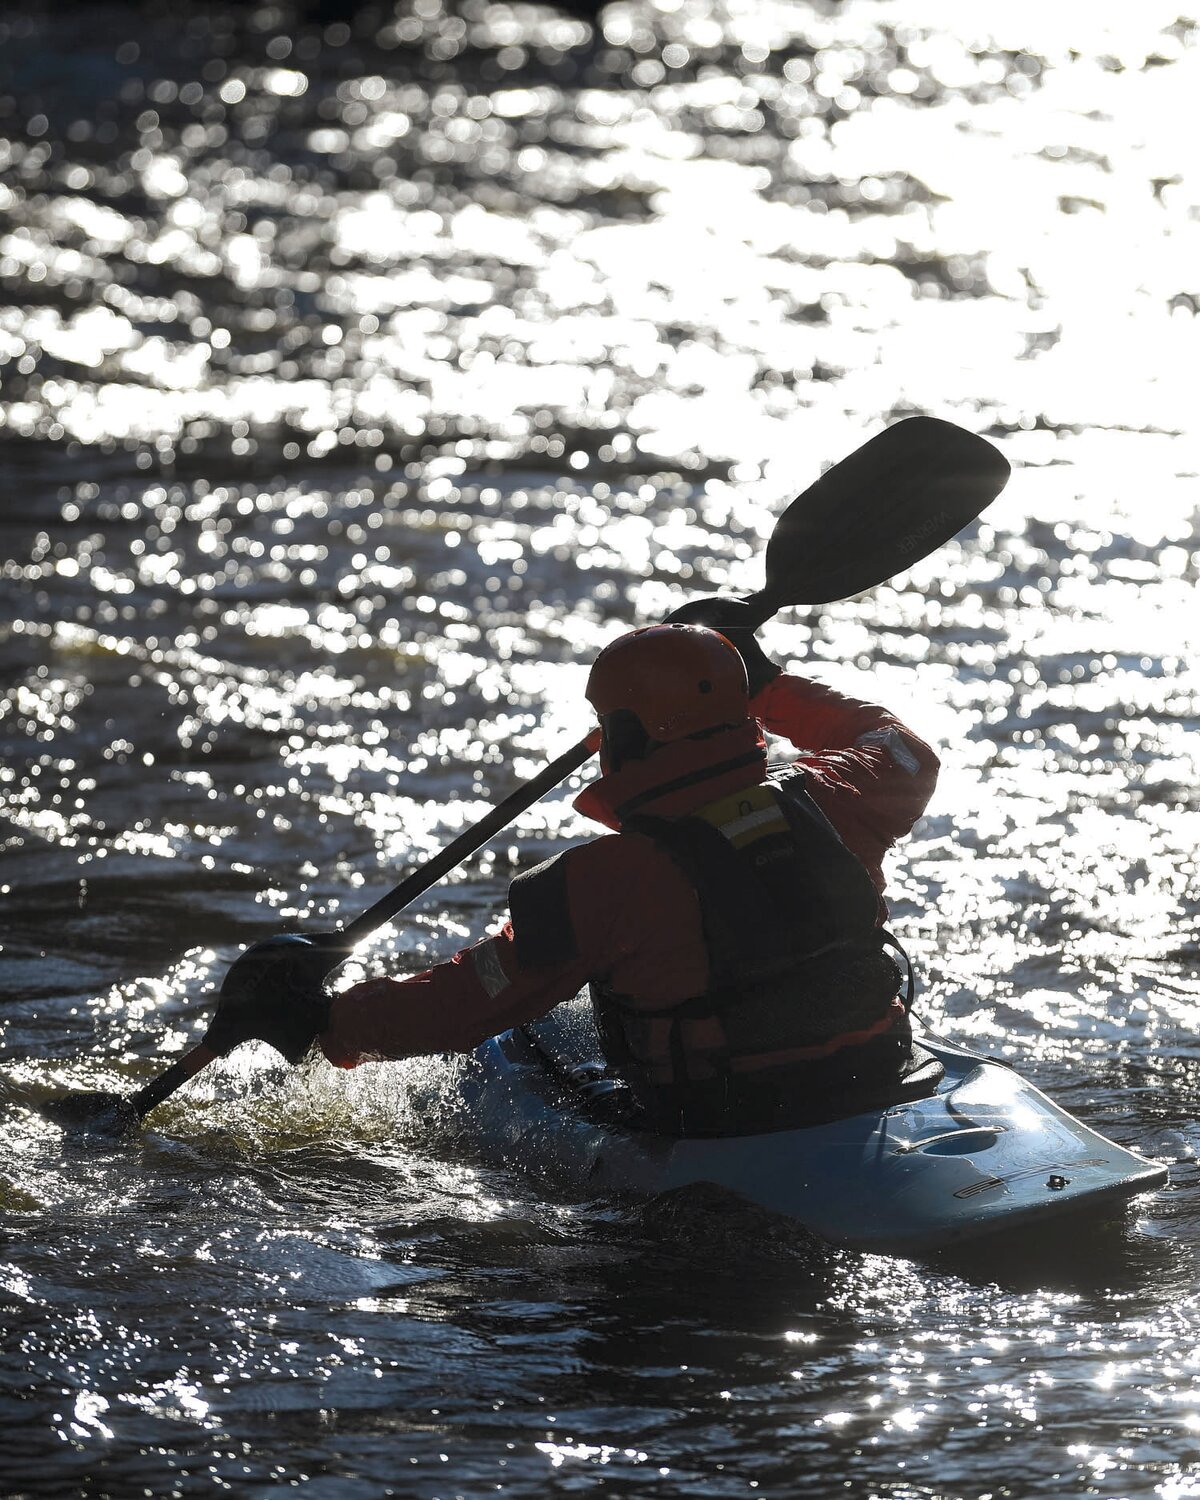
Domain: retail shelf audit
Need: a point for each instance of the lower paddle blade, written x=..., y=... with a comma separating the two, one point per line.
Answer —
x=889, y=504
x=96, y=1114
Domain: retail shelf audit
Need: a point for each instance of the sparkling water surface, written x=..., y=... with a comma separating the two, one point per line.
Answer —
x=360, y=379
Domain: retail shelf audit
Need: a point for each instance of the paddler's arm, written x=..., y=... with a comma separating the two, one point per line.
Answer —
x=597, y=911
x=863, y=761
x=819, y=718
x=450, y=1008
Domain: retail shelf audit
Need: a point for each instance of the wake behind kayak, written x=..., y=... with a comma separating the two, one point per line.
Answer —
x=980, y=1152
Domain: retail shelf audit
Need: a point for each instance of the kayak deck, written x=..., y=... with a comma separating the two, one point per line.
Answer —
x=984, y=1152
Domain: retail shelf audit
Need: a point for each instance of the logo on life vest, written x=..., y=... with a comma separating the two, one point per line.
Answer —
x=746, y=817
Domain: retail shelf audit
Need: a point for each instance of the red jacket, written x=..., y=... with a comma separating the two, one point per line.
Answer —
x=636, y=919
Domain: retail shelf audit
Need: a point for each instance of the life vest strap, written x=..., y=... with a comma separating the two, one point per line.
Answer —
x=539, y=908
x=776, y=883
x=890, y=940
x=843, y=997
x=883, y=1071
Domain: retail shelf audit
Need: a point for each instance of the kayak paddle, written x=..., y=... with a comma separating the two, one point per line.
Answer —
x=889, y=504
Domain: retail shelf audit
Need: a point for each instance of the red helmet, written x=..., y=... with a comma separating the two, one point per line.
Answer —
x=676, y=680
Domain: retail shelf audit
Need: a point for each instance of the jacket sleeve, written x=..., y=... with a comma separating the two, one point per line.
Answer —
x=451, y=1008
x=631, y=918
x=868, y=771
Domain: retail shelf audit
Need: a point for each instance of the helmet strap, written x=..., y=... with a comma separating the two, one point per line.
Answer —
x=623, y=738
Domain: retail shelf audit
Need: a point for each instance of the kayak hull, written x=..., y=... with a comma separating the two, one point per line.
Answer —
x=986, y=1152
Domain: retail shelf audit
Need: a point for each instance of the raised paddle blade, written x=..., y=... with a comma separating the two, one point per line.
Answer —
x=889, y=504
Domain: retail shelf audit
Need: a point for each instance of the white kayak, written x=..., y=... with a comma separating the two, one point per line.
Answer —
x=983, y=1151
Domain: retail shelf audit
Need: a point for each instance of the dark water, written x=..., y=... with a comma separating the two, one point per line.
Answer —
x=360, y=381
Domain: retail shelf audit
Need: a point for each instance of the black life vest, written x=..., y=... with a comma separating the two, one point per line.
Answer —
x=797, y=963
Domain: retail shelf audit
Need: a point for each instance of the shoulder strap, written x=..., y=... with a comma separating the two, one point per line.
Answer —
x=739, y=911
x=540, y=911
x=775, y=880
x=845, y=888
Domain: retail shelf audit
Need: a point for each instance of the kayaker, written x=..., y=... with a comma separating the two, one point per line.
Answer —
x=730, y=928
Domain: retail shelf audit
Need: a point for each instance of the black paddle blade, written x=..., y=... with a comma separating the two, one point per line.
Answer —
x=95, y=1114
x=890, y=503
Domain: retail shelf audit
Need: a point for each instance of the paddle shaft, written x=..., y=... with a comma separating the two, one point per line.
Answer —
x=172, y=1078
x=466, y=844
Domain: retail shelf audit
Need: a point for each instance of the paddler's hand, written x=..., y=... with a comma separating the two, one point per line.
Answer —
x=727, y=614
x=274, y=993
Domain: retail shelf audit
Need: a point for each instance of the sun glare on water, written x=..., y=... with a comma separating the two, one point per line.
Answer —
x=360, y=380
